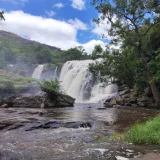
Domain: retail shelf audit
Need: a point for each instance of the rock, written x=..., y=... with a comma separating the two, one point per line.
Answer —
x=148, y=92
x=122, y=88
x=128, y=104
x=58, y=124
x=12, y=123
x=60, y=101
x=126, y=96
x=108, y=100
x=113, y=101
x=111, y=158
x=126, y=91
x=143, y=99
x=101, y=108
x=37, y=101
x=121, y=158
x=117, y=106
x=149, y=156
x=141, y=104
x=4, y=106
x=23, y=102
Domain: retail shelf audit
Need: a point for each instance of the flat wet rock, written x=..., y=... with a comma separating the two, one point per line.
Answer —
x=58, y=124
x=149, y=156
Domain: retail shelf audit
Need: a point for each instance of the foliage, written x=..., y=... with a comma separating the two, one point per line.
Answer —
x=14, y=49
x=147, y=133
x=97, y=52
x=51, y=87
x=11, y=83
x=77, y=53
x=122, y=68
x=2, y=15
x=134, y=25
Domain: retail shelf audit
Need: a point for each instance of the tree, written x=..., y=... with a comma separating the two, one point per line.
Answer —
x=2, y=15
x=77, y=53
x=97, y=52
x=131, y=22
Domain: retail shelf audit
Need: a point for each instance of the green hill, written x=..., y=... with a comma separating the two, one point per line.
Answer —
x=14, y=49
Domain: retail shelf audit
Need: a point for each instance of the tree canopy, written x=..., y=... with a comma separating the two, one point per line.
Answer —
x=2, y=15
x=131, y=23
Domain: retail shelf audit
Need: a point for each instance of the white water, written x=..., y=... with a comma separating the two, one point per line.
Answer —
x=37, y=72
x=55, y=73
x=78, y=82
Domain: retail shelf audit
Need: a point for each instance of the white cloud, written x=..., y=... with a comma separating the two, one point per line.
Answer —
x=59, y=5
x=90, y=45
x=49, y=31
x=50, y=13
x=78, y=4
x=78, y=24
x=103, y=27
x=15, y=1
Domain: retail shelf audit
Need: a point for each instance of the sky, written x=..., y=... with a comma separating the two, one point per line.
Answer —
x=61, y=23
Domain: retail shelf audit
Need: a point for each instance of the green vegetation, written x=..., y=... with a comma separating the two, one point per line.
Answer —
x=15, y=49
x=2, y=15
x=51, y=87
x=147, y=133
x=13, y=82
x=135, y=26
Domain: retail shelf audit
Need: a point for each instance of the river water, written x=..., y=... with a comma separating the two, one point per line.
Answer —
x=16, y=143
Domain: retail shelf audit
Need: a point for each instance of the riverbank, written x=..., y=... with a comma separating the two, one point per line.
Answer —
x=131, y=98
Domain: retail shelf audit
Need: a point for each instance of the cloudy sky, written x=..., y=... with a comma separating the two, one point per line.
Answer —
x=60, y=23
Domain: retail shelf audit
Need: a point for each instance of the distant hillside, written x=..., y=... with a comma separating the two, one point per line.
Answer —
x=21, y=56
x=4, y=34
x=15, y=49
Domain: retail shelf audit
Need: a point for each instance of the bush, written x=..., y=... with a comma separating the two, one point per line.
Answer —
x=50, y=87
x=147, y=133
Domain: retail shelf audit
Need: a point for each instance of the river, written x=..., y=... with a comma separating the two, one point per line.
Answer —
x=16, y=143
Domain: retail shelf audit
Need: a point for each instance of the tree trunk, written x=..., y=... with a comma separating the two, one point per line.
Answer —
x=152, y=84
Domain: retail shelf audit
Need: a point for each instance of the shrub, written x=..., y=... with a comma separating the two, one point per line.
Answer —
x=50, y=87
x=146, y=133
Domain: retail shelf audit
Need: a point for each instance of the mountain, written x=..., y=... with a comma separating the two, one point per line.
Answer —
x=15, y=49
x=4, y=34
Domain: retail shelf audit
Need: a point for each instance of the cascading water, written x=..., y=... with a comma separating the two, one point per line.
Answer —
x=37, y=72
x=55, y=73
x=78, y=82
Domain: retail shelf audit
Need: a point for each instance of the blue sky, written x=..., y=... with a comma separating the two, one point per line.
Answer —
x=60, y=23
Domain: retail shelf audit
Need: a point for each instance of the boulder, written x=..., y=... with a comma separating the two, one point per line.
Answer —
x=37, y=101
x=61, y=100
x=23, y=102
x=59, y=124
x=148, y=92
x=126, y=91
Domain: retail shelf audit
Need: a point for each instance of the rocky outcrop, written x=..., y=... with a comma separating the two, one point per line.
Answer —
x=22, y=102
x=37, y=101
x=129, y=97
x=61, y=100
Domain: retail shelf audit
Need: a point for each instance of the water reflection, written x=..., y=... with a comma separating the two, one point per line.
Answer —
x=118, y=118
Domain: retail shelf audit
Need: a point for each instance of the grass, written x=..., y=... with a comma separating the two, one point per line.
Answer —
x=146, y=133
x=119, y=137
x=13, y=81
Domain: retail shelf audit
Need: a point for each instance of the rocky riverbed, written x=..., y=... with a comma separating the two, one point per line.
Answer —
x=82, y=133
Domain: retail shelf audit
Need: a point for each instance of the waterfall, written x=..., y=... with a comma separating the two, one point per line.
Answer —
x=37, y=72
x=77, y=81
x=55, y=73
